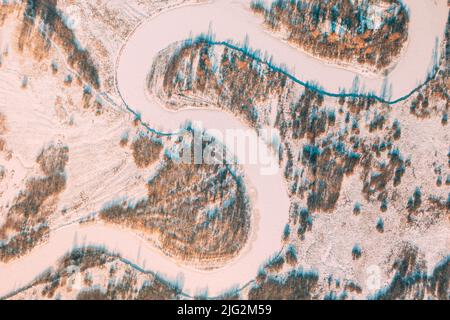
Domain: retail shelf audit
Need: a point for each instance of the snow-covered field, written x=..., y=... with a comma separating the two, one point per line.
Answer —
x=100, y=171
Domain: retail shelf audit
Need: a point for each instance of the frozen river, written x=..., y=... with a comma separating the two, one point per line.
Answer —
x=229, y=21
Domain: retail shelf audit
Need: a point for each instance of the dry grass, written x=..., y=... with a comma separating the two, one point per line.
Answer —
x=2, y=124
x=53, y=159
x=3, y=130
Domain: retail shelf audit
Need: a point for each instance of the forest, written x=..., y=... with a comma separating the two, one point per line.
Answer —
x=340, y=30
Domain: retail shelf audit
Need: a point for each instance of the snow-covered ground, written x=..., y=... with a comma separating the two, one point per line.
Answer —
x=227, y=21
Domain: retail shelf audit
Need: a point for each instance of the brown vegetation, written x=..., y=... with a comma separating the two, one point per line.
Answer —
x=146, y=150
x=90, y=259
x=44, y=23
x=199, y=212
x=26, y=220
x=411, y=281
x=349, y=38
x=434, y=98
x=237, y=83
x=298, y=285
x=3, y=130
x=2, y=123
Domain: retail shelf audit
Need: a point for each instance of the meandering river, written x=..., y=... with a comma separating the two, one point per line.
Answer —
x=233, y=23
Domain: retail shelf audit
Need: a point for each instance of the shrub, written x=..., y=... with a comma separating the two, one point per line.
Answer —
x=444, y=120
x=356, y=252
x=415, y=201
x=357, y=208
x=384, y=205
x=286, y=232
x=397, y=129
x=291, y=255
x=380, y=225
